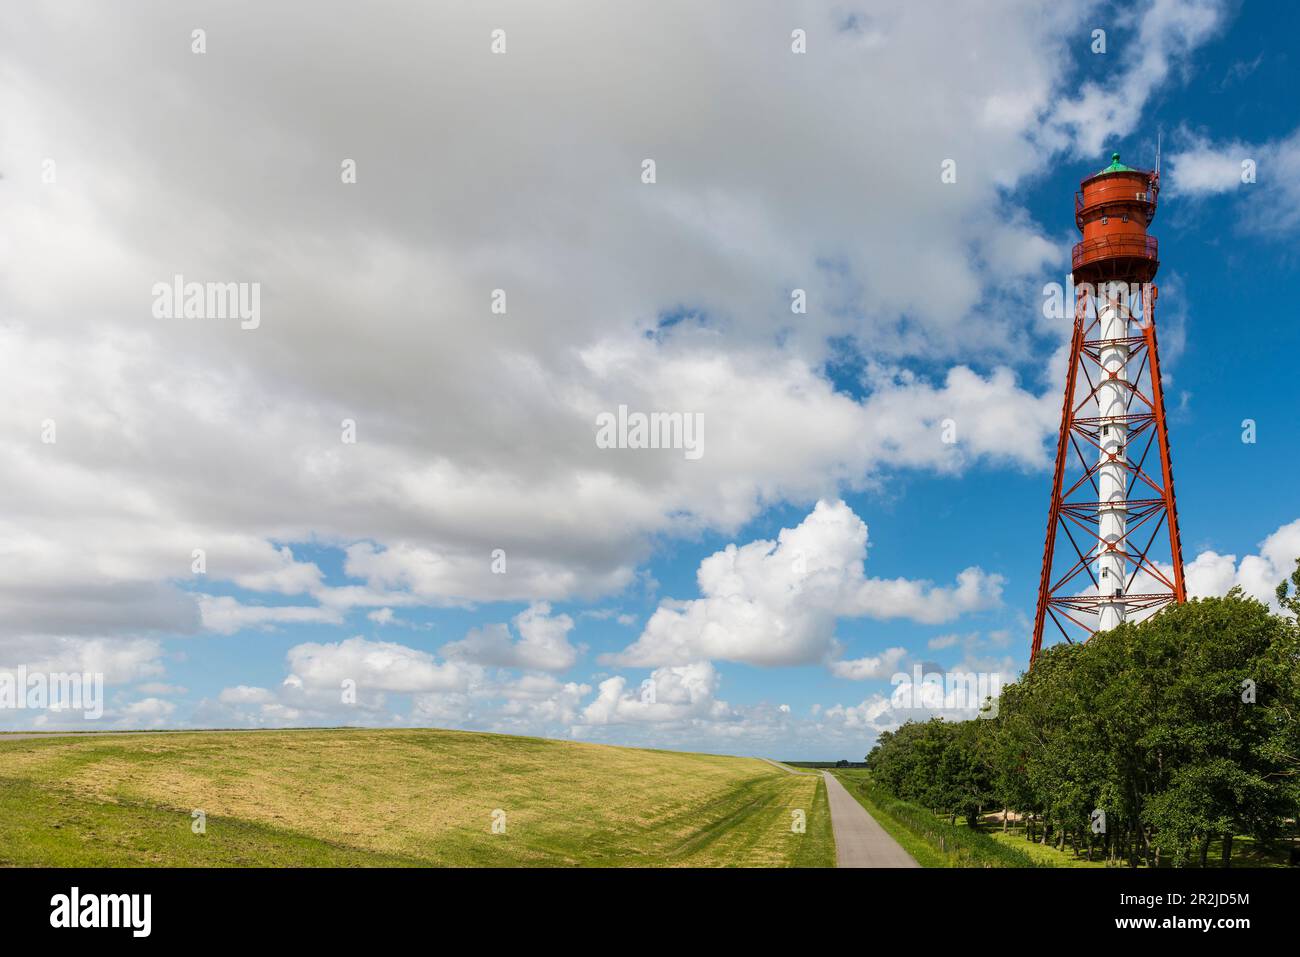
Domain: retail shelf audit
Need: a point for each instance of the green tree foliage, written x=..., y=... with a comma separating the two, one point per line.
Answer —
x=1291, y=602
x=944, y=766
x=1147, y=743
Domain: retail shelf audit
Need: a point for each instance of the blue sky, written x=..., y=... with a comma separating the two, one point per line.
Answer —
x=673, y=295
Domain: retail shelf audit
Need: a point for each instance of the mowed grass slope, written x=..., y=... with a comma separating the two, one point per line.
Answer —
x=396, y=797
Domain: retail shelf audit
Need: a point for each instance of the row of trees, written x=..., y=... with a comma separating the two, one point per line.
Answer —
x=1147, y=743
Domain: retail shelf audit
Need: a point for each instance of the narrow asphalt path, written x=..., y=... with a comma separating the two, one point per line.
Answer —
x=859, y=840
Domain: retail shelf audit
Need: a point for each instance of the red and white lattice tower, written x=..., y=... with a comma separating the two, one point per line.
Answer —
x=1112, y=507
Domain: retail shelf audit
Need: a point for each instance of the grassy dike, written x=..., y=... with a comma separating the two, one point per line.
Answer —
x=397, y=797
x=928, y=838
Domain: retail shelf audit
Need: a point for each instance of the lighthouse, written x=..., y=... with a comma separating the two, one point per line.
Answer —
x=1112, y=551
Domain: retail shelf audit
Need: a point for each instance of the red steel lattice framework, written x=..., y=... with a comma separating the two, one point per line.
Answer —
x=1114, y=267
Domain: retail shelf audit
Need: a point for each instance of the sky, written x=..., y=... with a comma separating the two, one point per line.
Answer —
x=476, y=231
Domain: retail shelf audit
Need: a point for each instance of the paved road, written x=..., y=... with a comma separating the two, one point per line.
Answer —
x=859, y=840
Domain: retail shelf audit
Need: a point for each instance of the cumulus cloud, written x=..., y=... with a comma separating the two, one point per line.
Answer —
x=119, y=660
x=873, y=713
x=474, y=432
x=244, y=694
x=346, y=682
x=227, y=615
x=1204, y=168
x=374, y=666
x=670, y=694
x=777, y=603
x=1162, y=33
x=159, y=688
x=370, y=305
x=146, y=713
x=926, y=691
x=1210, y=573
x=281, y=574
x=673, y=700
x=1269, y=203
x=878, y=712
x=542, y=646
x=878, y=666
x=673, y=705
x=539, y=701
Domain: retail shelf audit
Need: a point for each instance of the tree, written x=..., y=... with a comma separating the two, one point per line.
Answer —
x=1152, y=739
x=966, y=770
x=1291, y=602
x=1220, y=669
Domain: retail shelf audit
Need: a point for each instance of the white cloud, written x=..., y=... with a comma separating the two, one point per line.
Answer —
x=119, y=660
x=227, y=615
x=543, y=644
x=1268, y=205
x=374, y=666
x=475, y=432
x=954, y=694
x=146, y=713
x=1205, y=169
x=371, y=315
x=1161, y=35
x=674, y=694
x=313, y=692
x=285, y=575
x=449, y=576
x=874, y=713
x=860, y=669
x=159, y=688
x=244, y=694
x=539, y=701
x=676, y=705
x=1210, y=574
x=777, y=603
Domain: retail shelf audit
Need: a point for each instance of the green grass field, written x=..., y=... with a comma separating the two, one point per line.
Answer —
x=397, y=798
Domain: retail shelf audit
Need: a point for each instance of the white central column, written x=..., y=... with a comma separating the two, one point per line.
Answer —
x=1112, y=474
